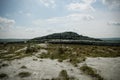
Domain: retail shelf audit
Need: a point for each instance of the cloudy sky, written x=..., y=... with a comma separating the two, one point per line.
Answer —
x=33, y=18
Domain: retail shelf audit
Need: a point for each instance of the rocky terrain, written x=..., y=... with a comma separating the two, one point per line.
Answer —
x=55, y=62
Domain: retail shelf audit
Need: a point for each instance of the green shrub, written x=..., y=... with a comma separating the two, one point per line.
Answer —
x=60, y=51
x=56, y=54
x=11, y=50
x=4, y=65
x=35, y=59
x=44, y=55
x=60, y=60
x=89, y=71
x=24, y=74
x=23, y=67
x=31, y=49
x=63, y=75
x=45, y=79
x=3, y=75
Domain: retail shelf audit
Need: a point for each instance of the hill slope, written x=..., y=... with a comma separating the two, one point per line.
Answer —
x=64, y=36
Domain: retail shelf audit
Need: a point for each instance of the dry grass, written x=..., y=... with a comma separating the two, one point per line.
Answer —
x=90, y=50
x=90, y=71
x=78, y=53
x=11, y=54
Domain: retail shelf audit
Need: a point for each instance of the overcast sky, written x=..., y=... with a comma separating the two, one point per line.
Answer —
x=33, y=18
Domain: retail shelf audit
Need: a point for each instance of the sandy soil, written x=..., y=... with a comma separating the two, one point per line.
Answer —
x=41, y=69
x=108, y=68
x=22, y=49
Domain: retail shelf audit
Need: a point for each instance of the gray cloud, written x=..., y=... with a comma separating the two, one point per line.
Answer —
x=85, y=5
x=112, y=3
x=48, y=3
x=114, y=23
x=72, y=18
x=4, y=22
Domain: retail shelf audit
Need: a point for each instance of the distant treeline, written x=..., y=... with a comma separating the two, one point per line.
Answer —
x=18, y=42
x=86, y=42
x=61, y=41
x=81, y=42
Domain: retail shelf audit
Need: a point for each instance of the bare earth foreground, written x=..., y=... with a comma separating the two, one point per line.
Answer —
x=46, y=69
x=108, y=68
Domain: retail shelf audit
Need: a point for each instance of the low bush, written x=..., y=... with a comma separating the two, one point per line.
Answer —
x=63, y=74
x=60, y=60
x=89, y=71
x=35, y=59
x=31, y=49
x=3, y=75
x=24, y=74
x=4, y=65
x=23, y=67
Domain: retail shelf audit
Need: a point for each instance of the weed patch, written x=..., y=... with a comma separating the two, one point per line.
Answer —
x=4, y=65
x=3, y=75
x=24, y=74
x=23, y=67
x=89, y=71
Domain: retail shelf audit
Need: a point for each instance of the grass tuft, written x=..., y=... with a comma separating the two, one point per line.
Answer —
x=63, y=74
x=4, y=65
x=24, y=74
x=3, y=75
x=23, y=67
x=89, y=71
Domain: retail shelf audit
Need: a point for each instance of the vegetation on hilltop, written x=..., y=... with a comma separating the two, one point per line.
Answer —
x=64, y=36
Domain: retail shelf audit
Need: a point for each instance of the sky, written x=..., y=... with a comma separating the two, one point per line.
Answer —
x=35, y=18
